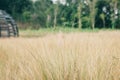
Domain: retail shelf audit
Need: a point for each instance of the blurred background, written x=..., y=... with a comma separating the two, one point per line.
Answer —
x=90, y=14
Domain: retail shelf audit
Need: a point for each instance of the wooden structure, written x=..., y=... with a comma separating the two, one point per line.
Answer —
x=8, y=27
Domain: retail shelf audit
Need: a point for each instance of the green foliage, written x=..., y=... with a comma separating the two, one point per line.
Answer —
x=102, y=16
x=26, y=16
x=75, y=13
x=86, y=22
x=41, y=12
x=15, y=6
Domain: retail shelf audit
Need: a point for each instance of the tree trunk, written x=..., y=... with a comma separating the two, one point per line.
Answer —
x=79, y=16
x=104, y=23
x=92, y=5
x=114, y=14
x=55, y=18
x=48, y=21
x=93, y=23
x=73, y=24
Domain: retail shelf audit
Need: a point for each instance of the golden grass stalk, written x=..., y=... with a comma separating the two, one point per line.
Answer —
x=74, y=56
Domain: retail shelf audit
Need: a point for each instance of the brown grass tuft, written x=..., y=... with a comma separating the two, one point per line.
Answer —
x=74, y=56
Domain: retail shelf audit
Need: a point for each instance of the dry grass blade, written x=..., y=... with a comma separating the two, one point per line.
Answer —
x=73, y=56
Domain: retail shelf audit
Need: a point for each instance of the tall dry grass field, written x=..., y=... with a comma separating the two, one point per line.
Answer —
x=73, y=56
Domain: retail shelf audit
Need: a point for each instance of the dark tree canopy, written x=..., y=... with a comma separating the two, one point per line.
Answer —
x=16, y=6
x=73, y=13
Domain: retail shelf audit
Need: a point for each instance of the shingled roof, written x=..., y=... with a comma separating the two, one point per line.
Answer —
x=8, y=27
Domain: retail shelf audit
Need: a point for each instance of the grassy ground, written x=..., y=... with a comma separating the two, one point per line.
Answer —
x=61, y=56
x=46, y=31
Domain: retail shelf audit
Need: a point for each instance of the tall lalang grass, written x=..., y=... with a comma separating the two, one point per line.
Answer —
x=73, y=56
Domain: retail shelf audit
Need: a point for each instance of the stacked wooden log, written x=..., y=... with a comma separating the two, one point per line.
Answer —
x=8, y=27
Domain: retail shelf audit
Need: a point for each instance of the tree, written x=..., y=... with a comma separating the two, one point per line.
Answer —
x=56, y=9
x=118, y=19
x=55, y=15
x=4, y=4
x=102, y=16
x=41, y=12
x=73, y=13
x=93, y=10
x=114, y=10
x=18, y=6
x=79, y=14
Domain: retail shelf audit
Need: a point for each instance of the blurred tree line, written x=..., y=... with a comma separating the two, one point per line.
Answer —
x=72, y=13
